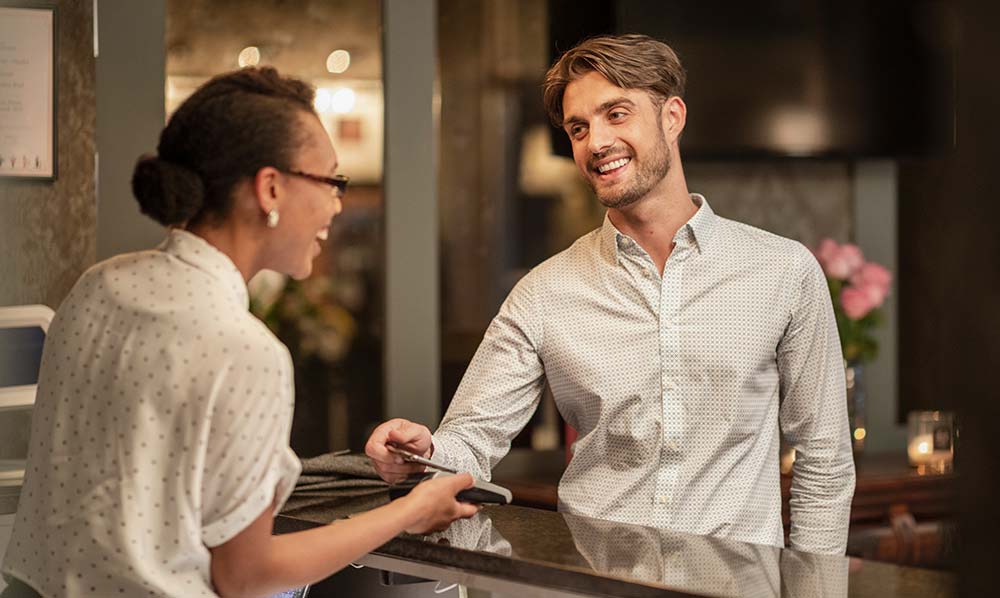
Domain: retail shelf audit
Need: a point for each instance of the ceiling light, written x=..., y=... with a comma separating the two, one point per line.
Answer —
x=323, y=100
x=338, y=61
x=249, y=56
x=342, y=100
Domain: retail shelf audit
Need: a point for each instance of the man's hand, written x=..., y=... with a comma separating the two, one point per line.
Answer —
x=405, y=434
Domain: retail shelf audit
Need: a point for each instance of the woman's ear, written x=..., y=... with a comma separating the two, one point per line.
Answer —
x=266, y=187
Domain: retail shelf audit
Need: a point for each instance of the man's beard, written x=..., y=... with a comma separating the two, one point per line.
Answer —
x=648, y=174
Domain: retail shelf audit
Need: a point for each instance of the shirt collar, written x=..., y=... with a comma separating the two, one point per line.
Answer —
x=199, y=253
x=702, y=224
x=696, y=232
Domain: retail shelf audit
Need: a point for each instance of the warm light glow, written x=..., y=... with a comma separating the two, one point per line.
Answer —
x=249, y=56
x=322, y=100
x=859, y=434
x=342, y=100
x=799, y=130
x=338, y=61
x=920, y=449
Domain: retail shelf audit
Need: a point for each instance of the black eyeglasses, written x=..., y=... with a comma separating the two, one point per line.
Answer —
x=338, y=182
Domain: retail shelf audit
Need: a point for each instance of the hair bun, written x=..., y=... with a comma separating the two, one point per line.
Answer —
x=168, y=192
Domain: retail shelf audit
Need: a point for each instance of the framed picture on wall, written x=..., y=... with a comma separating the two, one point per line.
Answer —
x=28, y=91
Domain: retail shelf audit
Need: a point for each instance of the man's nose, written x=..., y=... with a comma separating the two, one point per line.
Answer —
x=600, y=139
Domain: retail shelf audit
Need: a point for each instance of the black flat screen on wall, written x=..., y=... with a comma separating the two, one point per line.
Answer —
x=794, y=78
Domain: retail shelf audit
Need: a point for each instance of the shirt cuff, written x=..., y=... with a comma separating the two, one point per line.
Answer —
x=274, y=489
x=438, y=453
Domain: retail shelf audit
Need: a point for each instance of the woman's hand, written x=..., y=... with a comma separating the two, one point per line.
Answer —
x=435, y=505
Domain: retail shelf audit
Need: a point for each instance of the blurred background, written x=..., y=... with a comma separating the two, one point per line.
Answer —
x=857, y=127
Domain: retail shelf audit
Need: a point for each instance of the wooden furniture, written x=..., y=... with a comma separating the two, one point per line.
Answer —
x=901, y=516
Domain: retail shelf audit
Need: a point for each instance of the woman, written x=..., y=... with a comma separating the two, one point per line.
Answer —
x=159, y=444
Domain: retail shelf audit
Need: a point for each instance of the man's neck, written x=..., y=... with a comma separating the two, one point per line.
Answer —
x=654, y=220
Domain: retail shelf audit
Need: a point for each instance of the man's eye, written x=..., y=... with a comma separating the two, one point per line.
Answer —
x=577, y=130
x=617, y=115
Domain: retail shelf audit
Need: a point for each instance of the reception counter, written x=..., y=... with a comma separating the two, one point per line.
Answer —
x=524, y=552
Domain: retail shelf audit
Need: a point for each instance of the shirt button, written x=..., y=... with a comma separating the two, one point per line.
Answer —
x=661, y=499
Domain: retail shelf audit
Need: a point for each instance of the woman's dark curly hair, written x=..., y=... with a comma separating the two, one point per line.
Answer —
x=231, y=127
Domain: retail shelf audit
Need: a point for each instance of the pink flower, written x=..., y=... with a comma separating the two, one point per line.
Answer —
x=825, y=252
x=845, y=262
x=872, y=273
x=856, y=302
x=874, y=280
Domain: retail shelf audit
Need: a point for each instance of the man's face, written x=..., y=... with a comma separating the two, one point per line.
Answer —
x=618, y=139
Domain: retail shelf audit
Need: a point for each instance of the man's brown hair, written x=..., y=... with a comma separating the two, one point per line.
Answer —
x=629, y=61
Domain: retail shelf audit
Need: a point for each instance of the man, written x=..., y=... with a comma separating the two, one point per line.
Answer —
x=679, y=344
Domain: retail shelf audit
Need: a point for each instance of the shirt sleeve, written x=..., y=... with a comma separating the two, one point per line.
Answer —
x=249, y=465
x=500, y=390
x=813, y=418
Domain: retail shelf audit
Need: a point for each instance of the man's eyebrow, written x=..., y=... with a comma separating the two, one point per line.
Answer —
x=615, y=102
x=622, y=100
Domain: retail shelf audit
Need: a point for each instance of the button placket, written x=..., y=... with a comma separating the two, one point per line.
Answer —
x=670, y=292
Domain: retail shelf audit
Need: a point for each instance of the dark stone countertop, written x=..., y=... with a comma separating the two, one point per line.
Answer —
x=571, y=553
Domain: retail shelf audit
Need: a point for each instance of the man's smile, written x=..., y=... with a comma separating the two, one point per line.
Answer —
x=610, y=168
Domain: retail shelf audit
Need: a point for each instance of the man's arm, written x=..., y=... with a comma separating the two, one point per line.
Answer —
x=500, y=390
x=814, y=418
x=498, y=394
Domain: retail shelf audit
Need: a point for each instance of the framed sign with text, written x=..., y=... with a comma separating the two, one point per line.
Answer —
x=28, y=91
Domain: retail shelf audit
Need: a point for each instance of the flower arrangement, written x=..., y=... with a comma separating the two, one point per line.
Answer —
x=858, y=289
x=309, y=315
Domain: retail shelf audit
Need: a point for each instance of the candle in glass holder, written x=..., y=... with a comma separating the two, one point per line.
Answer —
x=930, y=445
x=920, y=449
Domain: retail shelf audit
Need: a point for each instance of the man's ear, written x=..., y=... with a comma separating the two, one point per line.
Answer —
x=673, y=117
x=267, y=188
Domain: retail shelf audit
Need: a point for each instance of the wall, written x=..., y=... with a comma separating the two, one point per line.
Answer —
x=801, y=200
x=411, y=269
x=130, y=116
x=875, y=231
x=47, y=229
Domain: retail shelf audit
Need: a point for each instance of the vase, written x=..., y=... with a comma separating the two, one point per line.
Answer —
x=856, y=397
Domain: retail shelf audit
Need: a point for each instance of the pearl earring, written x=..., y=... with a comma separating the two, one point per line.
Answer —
x=272, y=218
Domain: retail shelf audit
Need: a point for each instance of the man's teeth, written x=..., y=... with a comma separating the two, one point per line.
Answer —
x=323, y=234
x=612, y=165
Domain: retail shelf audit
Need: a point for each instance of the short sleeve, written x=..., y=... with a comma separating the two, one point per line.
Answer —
x=249, y=465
